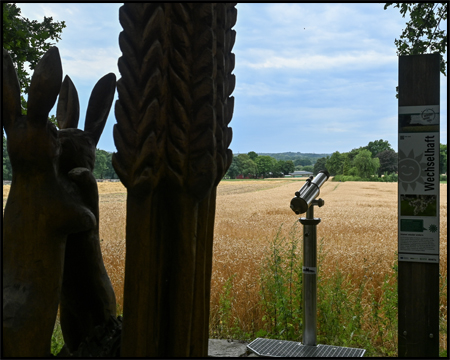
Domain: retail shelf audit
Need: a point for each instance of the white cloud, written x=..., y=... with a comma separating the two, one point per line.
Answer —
x=355, y=60
x=90, y=63
x=261, y=89
x=308, y=75
x=314, y=37
x=37, y=11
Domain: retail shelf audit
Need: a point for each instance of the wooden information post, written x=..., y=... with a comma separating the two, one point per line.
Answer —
x=418, y=206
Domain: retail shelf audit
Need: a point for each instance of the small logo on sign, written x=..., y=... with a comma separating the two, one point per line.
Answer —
x=428, y=115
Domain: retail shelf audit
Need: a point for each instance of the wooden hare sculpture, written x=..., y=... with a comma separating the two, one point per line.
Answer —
x=51, y=250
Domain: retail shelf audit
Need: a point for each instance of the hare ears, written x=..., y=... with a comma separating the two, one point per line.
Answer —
x=68, y=108
x=99, y=105
x=44, y=89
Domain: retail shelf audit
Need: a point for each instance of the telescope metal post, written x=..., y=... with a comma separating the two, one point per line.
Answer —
x=310, y=274
x=304, y=201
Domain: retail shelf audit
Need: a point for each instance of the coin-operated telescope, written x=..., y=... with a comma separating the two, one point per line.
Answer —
x=304, y=201
x=309, y=192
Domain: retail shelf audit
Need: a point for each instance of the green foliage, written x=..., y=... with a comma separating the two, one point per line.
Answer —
x=357, y=162
x=335, y=163
x=52, y=119
x=282, y=168
x=320, y=165
x=365, y=164
x=294, y=156
x=103, y=168
x=265, y=165
x=233, y=170
x=246, y=165
x=388, y=161
x=303, y=162
x=281, y=285
x=252, y=155
x=352, y=154
x=378, y=146
x=346, y=164
x=423, y=33
x=393, y=177
x=270, y=164
x=353, y=171
x=335, y=320
x=27, y=41
x=7, y=170
x=225, y=327
x=443, y=165
x=57, y=339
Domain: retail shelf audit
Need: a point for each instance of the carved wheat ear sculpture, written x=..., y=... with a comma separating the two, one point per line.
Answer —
x=172, y=138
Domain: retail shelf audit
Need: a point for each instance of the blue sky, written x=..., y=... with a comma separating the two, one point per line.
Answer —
x=312, y=78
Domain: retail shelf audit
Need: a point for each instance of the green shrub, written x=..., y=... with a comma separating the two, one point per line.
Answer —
x=386, y=178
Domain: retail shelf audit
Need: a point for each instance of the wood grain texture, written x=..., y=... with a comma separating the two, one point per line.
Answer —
x=418, y=283
x=172, y=138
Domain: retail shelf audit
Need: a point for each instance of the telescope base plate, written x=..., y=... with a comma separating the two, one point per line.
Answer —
x=284, y=348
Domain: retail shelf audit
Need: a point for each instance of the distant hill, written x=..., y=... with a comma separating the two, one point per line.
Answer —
x=295, y=155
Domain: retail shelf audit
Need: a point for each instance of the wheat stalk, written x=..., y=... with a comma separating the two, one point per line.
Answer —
x=169, y=141
x=139, y=134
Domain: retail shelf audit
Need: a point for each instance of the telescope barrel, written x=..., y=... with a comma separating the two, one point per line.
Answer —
x=321, y=177
x=311, y=190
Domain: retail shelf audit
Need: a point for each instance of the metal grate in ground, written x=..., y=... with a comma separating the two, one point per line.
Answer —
x=283, y=348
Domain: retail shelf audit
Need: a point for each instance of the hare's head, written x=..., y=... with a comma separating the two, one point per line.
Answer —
x=77, y=146
x=34, y=144
x=32, y=139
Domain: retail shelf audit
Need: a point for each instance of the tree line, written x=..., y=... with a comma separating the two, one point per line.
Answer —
x=252, y=165
x=376, y=159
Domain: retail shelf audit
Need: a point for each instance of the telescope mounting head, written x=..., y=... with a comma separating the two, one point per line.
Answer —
x=306, y=196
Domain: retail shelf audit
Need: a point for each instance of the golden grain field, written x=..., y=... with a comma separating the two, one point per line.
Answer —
x=358, y=228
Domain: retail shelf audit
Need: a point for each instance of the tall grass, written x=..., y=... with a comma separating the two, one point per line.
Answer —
x=350, y=313
x=280, y=288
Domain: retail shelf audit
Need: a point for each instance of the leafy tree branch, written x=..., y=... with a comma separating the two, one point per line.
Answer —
x=423, y=33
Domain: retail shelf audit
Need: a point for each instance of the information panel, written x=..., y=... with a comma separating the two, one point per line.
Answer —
x=418, y=188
